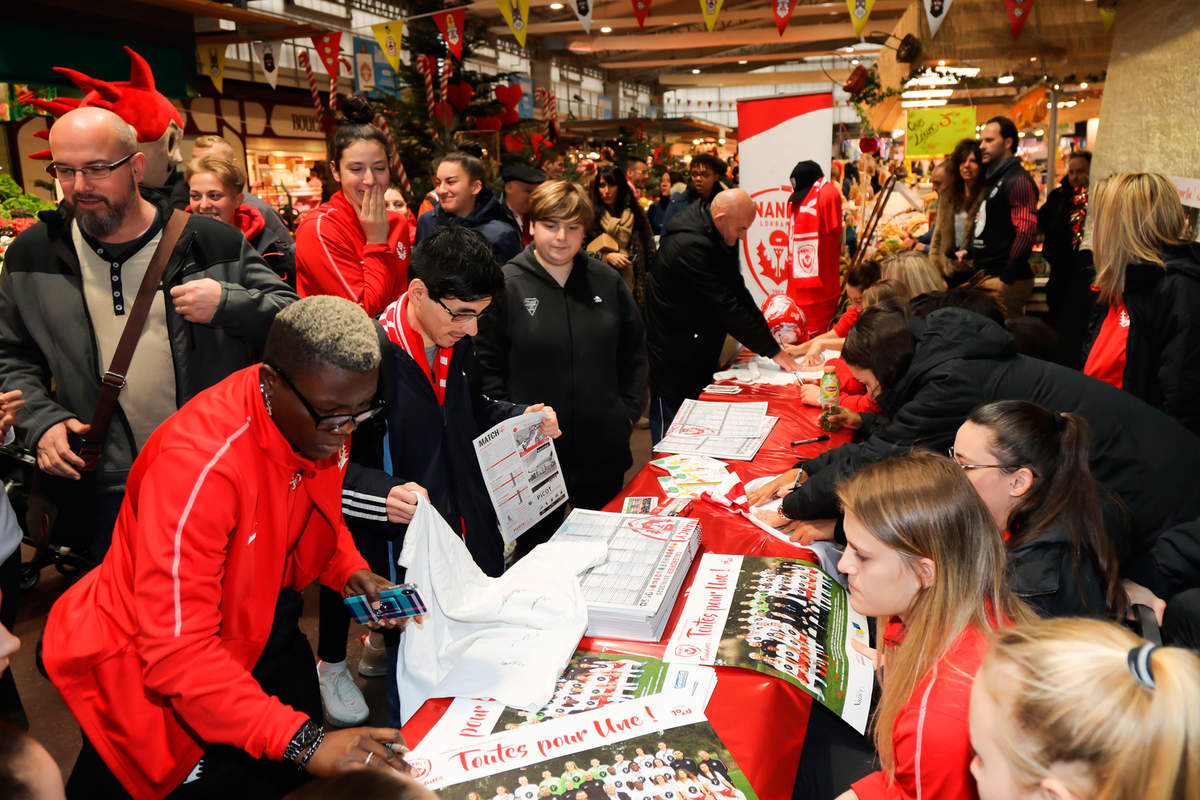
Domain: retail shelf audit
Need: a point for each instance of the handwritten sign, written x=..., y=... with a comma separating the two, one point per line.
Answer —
x=935, y=131
x=1189, y=190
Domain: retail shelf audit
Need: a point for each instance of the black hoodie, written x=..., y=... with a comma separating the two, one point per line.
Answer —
x=1162, y=354
x=963, y=360
x=579, y=348
x=489, y=217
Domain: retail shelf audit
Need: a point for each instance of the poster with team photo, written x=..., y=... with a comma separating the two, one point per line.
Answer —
x=591, y=680
x=658, y=749
x=779, y=616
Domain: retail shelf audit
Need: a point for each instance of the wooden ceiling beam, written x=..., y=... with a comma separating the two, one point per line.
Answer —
x=752, y=58
x=723, y=79
x=728, y=37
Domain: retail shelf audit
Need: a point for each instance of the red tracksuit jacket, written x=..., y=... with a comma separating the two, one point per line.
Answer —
x=333, y=257
x=152, y=650
x=931, y=740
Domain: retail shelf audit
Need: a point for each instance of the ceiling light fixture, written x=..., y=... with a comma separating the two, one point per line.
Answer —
x=1039, y=132
x=923, y=103
x=743, y=61
x=695, y=71
x=606, y=29
x=1005, y=78
x=556, y=6
x=941, y=63
x=926, y=94
x=855, y=61
x=1083, y=85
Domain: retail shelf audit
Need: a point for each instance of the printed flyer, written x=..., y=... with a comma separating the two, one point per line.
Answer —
x=658, y=747
x=783, y=617
x=521, y=470
x=591, y=680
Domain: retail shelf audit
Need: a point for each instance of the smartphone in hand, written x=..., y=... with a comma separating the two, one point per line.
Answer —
x=396, y=602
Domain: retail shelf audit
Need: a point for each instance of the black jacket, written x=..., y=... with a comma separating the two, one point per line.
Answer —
x=45, y=330
x=1162, y=354
x=1042, y=572
x=695, y=296
x=579, y=348
x=992, y=239
x=1054, y=223
x=1174, y=563
x=490, y=217
x=964, y=360
x=428, y=444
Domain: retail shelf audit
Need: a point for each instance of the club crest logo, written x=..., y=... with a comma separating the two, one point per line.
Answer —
x=531, y=305
x=766, y=250
x=401, y=251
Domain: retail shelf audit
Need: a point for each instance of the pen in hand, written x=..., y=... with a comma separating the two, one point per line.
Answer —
x=824, y=437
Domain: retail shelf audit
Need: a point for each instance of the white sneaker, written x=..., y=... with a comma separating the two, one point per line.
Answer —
x=373, y=663
x=344, y=703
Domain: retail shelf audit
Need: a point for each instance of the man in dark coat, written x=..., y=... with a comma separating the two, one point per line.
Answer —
x=695, y=296
x=1060, y=221
x=928, y=373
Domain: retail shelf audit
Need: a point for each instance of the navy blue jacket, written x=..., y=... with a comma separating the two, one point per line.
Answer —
x=489, y=217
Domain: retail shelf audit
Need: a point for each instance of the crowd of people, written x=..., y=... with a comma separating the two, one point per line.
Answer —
x=196, y=443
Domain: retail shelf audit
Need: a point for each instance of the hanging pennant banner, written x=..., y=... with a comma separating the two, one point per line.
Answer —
x=860, y=12
x=390, y=35
x=640, y=9
x=450, y=23
x=935, y=12
x=1108, y=15
x=329, y=46
x=783, y=13
x=1018, y=12
x=212, y=60
x=266, y=55
x=710, y=9
x=516, y=14
x=583, y=13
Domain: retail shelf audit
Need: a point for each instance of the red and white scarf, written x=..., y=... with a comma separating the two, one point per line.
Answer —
x=805, y=233
x=402, y=334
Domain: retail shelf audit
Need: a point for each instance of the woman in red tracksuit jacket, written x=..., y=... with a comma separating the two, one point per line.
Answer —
x=925, y=558
x=352, y=246
x=235, y=499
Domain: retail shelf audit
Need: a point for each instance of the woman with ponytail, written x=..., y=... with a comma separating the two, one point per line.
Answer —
x=924, y=557
x=1069, y=709
x=1030, y=467
x=352, y=246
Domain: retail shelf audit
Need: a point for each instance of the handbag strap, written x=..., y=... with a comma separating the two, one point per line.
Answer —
x=113, y=380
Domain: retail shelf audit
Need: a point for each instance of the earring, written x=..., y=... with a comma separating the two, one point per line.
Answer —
x=262, y=387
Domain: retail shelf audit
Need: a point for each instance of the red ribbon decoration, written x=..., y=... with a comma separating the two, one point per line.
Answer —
x=640, y=9
x=1018, y=12
x=451, y=23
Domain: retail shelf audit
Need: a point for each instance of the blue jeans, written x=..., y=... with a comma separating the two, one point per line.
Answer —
x=662, y=412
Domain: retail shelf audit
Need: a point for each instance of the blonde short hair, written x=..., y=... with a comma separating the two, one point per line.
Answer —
x=1135, y=217
x=886, y=289
x=1067, y=697
x=227, y=171
x=212, y=140
x=561, y=201
x=915, y=270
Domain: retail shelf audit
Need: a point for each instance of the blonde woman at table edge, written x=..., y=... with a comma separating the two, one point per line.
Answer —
x=925, y=559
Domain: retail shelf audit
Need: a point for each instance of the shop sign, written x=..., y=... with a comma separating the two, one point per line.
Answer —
x=296, y=121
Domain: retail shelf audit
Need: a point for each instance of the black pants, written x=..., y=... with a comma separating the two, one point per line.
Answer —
x=12, y=710
x=333, y=626
x=835, y=756
x=284, y=670
x=1181, y=620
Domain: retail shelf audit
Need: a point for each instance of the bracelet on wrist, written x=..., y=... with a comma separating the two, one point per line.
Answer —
x=302, y=763
x=303, y=740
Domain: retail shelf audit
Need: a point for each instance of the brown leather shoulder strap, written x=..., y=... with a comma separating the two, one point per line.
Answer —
x=114, y=378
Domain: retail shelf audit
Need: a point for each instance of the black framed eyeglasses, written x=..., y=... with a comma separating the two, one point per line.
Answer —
x=459, y=317
x=93, y=172
x=701, y=173
x=969, y=467
x=328, y=422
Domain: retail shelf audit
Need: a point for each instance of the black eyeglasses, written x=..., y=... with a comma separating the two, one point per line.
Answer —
x=969, y=467
x=329, y=422
x=459, y=317
x=700, y=173
x=93, y=172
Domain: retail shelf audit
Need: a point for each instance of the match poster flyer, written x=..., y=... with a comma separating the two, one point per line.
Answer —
x=660, y=747
x=783, y=617
x=521, y=470
x=591, y=680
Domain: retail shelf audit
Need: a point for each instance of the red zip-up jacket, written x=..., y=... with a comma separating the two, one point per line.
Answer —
x=333, y=257
x=152, y=650
x=931, y=742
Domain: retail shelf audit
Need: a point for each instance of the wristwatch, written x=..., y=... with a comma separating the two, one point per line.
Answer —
x=309, y=734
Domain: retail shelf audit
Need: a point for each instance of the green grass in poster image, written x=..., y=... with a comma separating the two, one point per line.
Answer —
x=654, y=675
x=690, y=739
x=734, y=652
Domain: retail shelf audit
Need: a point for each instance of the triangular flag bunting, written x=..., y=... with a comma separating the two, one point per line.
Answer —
x=390, y=35
x=583, y=13
x=516, y=14
x=860, y=12
x=451, y=23
x=710, y=9
x=329, y=47
x=935, y=13
x=212, y=60
x=1108, y=15
x=783, y=13
x=640, y=9
x=1018, y=12
x=266, y=55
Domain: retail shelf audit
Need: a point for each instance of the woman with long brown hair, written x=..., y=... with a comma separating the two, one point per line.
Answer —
x=925, y=559
x=957, y=205
x=621, y=236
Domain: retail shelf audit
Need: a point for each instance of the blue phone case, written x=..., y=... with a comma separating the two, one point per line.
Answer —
x=396, y=602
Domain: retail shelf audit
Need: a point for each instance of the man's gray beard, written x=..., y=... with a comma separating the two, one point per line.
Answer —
x=105, y=219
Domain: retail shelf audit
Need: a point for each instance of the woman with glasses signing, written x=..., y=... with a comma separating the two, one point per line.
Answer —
x=568, y=332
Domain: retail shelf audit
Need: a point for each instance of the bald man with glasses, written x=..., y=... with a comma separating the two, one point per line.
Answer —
x=67, y=290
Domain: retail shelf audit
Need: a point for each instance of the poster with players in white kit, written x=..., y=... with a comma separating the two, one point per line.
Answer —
x=783, y=617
